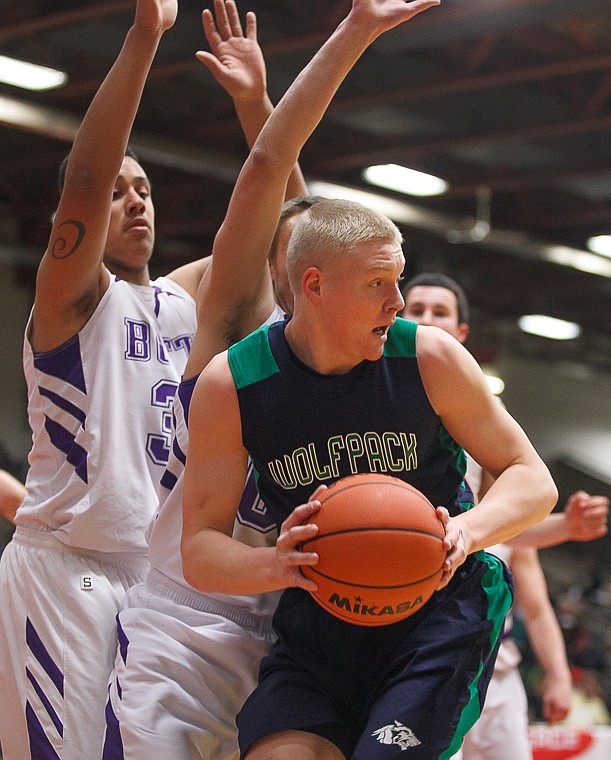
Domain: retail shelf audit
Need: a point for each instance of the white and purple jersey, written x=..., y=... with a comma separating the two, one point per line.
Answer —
x=100, y=409
x=253, y=525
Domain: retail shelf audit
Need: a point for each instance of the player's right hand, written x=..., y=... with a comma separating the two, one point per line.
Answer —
x=235, y=60
x=293, y=532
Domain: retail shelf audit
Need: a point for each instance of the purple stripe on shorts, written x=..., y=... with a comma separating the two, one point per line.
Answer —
x=40, y=746
x=123, y=640
x=113, y=744
x=64, y=440
x=37, y=648
x=63, y=362
x=47, y=705
x=64, y=404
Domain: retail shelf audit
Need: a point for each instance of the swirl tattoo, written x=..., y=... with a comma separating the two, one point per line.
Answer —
x=60, y=247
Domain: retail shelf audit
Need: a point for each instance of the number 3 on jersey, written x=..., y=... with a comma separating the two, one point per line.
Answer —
x=158, y=444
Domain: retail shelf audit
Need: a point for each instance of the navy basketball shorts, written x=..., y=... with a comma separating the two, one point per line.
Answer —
x=419, y=683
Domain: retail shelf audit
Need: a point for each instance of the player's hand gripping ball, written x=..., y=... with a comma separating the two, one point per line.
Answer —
x=380, y=547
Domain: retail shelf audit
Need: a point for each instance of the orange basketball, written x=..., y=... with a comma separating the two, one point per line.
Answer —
x=380, y=548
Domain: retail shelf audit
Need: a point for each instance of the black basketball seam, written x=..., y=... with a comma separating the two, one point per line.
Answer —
x=336, y=490
x=312, y=569
x=368, y=529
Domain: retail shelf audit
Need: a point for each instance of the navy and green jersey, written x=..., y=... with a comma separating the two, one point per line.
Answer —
x=423, y=677
x=302, y=428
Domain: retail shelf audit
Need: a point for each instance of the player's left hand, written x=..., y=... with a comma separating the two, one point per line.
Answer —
x=556, y=695
x=455, y=544
x=235, y=60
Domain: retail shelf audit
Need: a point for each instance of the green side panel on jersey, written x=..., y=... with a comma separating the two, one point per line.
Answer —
x=459, y=457
x=251, y=359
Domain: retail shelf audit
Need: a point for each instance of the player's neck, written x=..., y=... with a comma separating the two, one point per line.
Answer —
x=312, y=349
x=135, y=277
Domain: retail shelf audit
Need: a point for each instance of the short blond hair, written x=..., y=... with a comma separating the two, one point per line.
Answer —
x=331, y=229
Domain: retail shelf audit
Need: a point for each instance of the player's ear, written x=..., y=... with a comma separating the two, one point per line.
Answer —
x=310, y=283
x=463, y=332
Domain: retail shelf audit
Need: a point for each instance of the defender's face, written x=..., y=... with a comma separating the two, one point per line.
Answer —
x=362, y=299
x=433, y=305
x=131, y=231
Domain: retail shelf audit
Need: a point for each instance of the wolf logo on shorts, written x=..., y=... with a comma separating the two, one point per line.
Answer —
x=396, y=733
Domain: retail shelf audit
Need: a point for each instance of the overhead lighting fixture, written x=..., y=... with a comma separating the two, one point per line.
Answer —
x=600, y=244
x=404, y=180
x=549, y=327
x=495, y=383
x=396, y=210
x=30, y=76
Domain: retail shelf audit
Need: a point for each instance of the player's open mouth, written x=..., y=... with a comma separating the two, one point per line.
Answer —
x=381, y=331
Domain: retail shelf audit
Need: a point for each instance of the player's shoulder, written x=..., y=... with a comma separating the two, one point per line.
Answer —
x=215, y=378
x=432, y=339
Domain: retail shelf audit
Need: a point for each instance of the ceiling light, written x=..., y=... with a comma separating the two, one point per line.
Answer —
x=404, y=180
x=29, y=76
x=600, y=244
x=496, y=385
x=549, y=327
x=392, y=208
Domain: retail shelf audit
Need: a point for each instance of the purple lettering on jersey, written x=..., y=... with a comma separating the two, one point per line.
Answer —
x=252, y=511
x=182, y=342
x=168, y=480
x=64, y=363
x=64, y=404
x=65, y=441
x=158, y=444
x=163, y=346
x=138, y=340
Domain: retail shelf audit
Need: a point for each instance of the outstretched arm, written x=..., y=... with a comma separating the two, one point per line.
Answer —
x=523, y=492
x=237, y=63
x=544, y=632
x=584, y=518
x=71, y=277
x=215, y=469
x=242, y=243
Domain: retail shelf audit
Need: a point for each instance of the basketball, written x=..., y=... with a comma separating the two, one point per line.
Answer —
x=380, y=548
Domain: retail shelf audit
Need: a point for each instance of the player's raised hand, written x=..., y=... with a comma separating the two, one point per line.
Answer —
x=156, y=16
x=235, y=60
x=382, y=15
